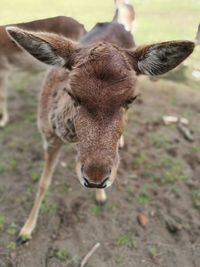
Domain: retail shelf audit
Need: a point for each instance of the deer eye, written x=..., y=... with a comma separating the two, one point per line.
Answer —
x=75, y=99
x=129, y=102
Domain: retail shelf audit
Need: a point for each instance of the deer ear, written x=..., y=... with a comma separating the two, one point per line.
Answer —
x=159, y=58
x=49, y=48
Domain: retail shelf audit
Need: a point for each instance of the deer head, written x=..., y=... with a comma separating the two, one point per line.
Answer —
x=102, y=86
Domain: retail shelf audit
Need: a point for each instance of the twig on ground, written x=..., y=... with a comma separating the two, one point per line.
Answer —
x=90, y=253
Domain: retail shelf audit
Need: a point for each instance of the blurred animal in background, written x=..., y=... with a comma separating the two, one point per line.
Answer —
x=86, y=97
x=197, y=38
x=12, y=56
x=125, y=14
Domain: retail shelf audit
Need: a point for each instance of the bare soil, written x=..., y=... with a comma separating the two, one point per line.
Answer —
x=159, y=175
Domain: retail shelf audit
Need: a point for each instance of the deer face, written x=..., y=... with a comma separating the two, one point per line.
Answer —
x=102, y=84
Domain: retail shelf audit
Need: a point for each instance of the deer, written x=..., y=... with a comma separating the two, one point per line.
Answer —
x=12, y=56
x=125, y=14
x=197, y=37
x=86, y=97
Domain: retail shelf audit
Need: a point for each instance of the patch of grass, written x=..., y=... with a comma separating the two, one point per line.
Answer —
x=153, y=251
x=2, y=221
x=96, y=210
x=173, y=171
x=196, y=198
x=30, y=118
x=47, y=206
x=27, y=195
x=61, y=254
x=119, y=259
x=8, y=129
x=126, y=240
x=13, y=164
x=11, y=246
x=2, y=168
x=158, y=140
x=143, y=197
x=7, y=165
x=139, y=161
x=35, y=169
x=34, y=176
x=12, y=229
x=170, y=170
x=195, y=149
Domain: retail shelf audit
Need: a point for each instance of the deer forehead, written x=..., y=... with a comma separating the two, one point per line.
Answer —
x=99, y=81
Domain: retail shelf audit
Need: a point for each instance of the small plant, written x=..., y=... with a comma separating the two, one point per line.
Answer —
x=61, y=254
x=126, y=240
x=153, y=251
x=143, y=197
x=119, y=259
x=196, y=198
x=2, y=221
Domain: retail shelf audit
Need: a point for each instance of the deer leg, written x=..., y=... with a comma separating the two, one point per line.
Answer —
x=3, y=99
x=51, y=156
x=100, y=196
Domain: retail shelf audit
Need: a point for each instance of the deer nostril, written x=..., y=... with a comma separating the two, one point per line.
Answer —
x=86, y=182
x=103, y=184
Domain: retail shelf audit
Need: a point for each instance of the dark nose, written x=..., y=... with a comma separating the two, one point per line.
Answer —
x=89, y=184
x=95, y=176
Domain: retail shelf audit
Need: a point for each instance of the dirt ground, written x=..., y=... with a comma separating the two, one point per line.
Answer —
x=159, y=175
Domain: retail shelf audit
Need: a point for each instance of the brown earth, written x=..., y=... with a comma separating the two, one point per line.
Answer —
x=159, y=175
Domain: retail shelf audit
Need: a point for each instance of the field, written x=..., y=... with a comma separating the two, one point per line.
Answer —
x=159, y=173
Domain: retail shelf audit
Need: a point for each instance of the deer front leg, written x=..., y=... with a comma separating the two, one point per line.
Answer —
x=100, y=196
x=3, y=99
x=51, y=155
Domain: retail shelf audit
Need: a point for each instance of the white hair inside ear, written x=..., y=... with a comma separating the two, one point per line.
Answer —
x=160, y=58
x=150, y=64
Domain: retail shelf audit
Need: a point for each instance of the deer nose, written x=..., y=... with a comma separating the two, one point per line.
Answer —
x=95, y=177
